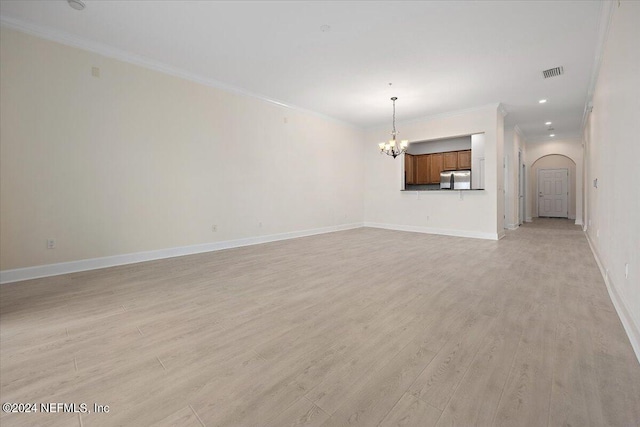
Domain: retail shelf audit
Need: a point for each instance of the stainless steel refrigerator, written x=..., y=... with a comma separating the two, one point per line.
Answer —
x=455, y=180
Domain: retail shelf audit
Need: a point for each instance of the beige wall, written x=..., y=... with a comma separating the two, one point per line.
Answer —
x=475, y=214
x=137, y=160
x=552, y=161
x=613, y=158
x=513, y=144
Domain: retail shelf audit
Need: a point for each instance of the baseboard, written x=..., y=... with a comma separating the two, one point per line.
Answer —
x=39, y=271
x=512, y=226
x=441, y=231
x=630, y=326
x=528, y=219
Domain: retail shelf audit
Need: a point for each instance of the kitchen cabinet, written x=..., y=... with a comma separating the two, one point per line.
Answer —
x=464, y=159
x=409, y=169
x=422, y=168
x=435, y=167
x=450, y=161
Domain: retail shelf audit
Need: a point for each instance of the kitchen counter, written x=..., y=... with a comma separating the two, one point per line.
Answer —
x=432, y=187
x=410, y=190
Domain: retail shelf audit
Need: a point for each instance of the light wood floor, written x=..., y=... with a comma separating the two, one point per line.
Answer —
x=365, y=327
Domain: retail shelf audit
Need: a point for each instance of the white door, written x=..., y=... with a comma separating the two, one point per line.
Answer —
x=520, y=189
x=553, y=193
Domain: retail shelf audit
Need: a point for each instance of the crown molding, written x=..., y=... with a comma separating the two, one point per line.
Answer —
x=519, y=132
x=142, y=61
x=606, y=16
x=557, y=138
x=502, y=110
x=444, y=115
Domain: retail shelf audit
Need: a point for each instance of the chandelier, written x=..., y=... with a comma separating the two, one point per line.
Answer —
x=391, y=147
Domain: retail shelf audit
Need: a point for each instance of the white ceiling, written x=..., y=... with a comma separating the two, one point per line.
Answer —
x=440, y=56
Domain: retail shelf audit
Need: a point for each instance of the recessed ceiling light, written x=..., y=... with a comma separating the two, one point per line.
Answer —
x=542, y=101
x=552, y=135
x=76, y=4
x=547, y=123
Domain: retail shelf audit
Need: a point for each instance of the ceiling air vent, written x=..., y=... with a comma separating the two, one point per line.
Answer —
x=553, y=72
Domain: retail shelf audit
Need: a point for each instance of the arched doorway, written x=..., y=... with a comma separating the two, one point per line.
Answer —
x=553, y=162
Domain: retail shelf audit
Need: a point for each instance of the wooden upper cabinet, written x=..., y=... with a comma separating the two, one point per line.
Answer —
x=450, y=161
x=423, y=165
x=436, y=167
x=409, y=169
x=426, y=168
x=464, y=159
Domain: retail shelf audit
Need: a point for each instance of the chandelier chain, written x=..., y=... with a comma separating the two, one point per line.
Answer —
x=394, y=117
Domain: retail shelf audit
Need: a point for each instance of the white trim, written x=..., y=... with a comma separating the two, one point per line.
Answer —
x=569, y=137
x=557, y=138
x=606, y=15
x=630, y=326
x=68, y=39
x=528, y=219
x=522, y=187
x=502, y=110
x=440, y=231
x=19, y=274
x=443, y=116
x=512, y=226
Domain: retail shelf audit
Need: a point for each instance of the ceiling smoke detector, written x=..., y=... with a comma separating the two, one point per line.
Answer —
x=76, y=4
x=553, y=72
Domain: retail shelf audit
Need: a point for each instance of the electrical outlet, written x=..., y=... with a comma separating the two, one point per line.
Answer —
x=598, y=232
x=51, y=243
x=626, y=270
x=214, y=228
x=95, y=71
